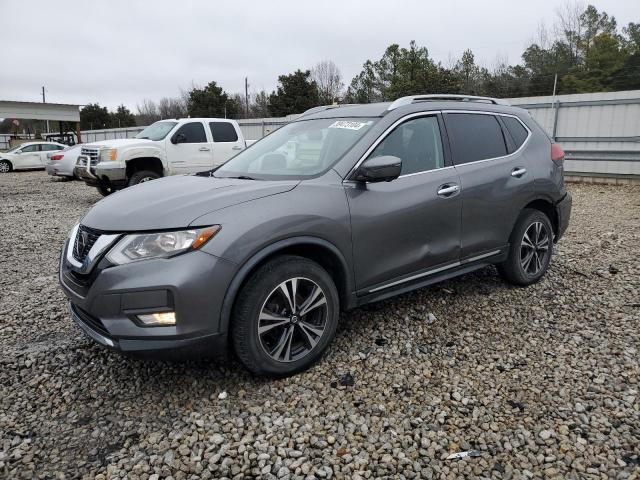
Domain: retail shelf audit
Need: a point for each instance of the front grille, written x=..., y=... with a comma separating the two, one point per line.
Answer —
x=93, y=157
x=91, y=153
x=85, y=239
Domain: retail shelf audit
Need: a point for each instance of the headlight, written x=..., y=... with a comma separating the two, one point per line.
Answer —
x=143, y=246
x=108, y=154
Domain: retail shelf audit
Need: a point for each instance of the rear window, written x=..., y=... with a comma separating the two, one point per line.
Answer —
x=223, y=132
x=50, y=148
x=516, y=130
x=475, y=137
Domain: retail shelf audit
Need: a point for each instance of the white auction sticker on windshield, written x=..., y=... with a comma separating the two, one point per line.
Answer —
x=348, y=125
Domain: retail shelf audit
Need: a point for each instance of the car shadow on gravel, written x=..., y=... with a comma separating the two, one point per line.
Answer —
x=211, y=375
x=480, y=282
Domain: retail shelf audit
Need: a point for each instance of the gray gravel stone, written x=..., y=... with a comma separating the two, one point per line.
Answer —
x=543, y=381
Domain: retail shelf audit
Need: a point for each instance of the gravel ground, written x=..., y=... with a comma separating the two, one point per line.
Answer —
x=542, y=381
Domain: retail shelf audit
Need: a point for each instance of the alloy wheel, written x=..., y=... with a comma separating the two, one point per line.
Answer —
x=292, y=319
x=534, y=248
x=145, y=179
x=4, y=167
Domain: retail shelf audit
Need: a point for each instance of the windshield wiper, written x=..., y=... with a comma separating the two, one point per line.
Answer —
x=242, y=177
x=147, y=138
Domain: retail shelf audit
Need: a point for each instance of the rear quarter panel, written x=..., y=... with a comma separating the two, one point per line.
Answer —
x=549, y=177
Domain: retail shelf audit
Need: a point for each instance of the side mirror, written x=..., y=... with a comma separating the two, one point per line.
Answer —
x=17, y=152
x=178, y=138
x=379, y=169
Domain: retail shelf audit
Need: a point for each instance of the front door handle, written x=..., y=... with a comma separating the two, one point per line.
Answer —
x=447, y=190
x=518, y=172
x=204, y=149
x=236, y=148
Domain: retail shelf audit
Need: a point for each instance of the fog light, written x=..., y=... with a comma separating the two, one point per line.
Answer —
x=158, y=319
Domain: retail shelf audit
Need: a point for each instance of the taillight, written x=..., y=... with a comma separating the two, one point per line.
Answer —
x=557, y=154
x=57, y=157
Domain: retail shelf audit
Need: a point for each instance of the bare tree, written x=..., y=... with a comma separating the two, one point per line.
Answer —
x=147, y=113
x=569, y=25
x=169, y=107
x=327, y=76
x=259, y=105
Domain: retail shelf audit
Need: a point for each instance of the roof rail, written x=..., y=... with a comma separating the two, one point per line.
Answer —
x=318, y=109
x=402, y=101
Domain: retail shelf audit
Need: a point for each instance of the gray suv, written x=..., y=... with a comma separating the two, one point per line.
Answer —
x=347, y=205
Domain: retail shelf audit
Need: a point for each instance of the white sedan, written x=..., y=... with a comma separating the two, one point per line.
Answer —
x=62, y=163
x=27, y=156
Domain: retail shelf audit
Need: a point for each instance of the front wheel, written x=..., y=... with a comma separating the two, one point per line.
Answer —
x=285, y=317
x=104, y=191
x=5, y=166
x=530, y=249
x=142, y=176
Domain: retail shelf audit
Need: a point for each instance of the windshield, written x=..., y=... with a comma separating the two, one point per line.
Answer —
x=157, y=131
x=11, y=150
x=297, y=150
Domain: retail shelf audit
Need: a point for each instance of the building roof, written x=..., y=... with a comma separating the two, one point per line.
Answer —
x=39, y=111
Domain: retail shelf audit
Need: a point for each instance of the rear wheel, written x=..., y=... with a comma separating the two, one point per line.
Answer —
x=5, y=166
x=530, y=250
x=285, y=316
x=142, y=176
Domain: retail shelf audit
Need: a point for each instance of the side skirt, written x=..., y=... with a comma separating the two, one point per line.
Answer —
x=438, y=275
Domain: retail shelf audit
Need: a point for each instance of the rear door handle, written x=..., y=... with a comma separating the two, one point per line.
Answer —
x=447, y=190
x=204, y=149
x=236, y=148
x=518, y=172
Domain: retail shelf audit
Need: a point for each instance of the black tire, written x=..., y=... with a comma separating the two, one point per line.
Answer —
x=142, y=176
x=104, y=191
x=5, y=166
x=260, y=295
x=515, y=269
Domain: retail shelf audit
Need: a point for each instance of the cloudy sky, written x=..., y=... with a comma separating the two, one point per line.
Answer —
x=121, y=51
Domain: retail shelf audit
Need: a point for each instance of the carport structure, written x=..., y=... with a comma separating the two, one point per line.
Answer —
x=42, y=111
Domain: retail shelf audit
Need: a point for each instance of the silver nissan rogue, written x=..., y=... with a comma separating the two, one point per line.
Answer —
x=347, y=205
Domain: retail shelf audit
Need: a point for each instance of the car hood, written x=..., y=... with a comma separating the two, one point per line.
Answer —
x=121, y=142
x=175, y=202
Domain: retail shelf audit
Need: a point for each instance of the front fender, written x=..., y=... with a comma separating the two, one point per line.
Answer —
x=243, y=273
x=143, y=152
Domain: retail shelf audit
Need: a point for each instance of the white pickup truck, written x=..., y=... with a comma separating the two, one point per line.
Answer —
x=167, y=147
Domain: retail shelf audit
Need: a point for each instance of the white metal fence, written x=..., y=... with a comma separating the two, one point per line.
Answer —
x=599, y=131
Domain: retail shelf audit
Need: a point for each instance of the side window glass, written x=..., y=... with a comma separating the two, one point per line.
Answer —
x=417, y=143
x=193, y=132
x=516, y=130
x=475, y=137
x=223, y=132
x=30, y=149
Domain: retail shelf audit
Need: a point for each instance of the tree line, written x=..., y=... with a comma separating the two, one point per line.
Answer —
x=584, y=51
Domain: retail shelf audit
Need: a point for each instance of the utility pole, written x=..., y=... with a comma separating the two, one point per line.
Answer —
x=44, y=100
x=246, y=97
x=554, y=108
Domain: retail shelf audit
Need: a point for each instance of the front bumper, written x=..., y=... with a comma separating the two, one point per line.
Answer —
x=563, y=213
x=105, y=302
x=102, y=174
